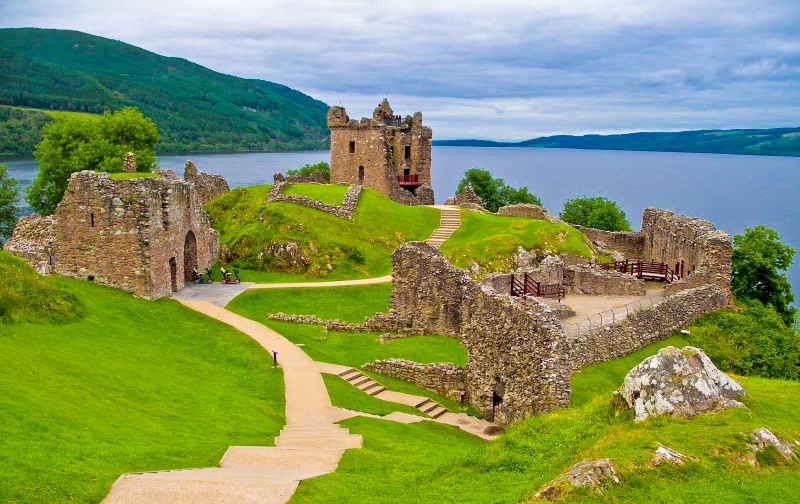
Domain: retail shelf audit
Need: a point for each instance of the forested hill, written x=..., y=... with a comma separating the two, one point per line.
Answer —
x=764, y=142
x=194, y=108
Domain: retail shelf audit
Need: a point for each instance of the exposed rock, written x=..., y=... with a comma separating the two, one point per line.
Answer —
x=450, y=201
x=664, y=454
x=763, y=438
x=588, y=472
x=467, y=195
x=474, y=207
x=680, y=383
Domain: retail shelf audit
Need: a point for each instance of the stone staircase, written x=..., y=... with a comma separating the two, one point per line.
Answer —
x=431, y=408
x=451, y=220
x=362, y=381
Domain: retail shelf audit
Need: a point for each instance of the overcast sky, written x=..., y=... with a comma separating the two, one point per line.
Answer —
x=503, y=70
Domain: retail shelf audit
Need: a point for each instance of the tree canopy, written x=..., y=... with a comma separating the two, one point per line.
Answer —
x=595, y=212
x=71, y=145
x=9, y=193
x=759, y=264
x=494, y=192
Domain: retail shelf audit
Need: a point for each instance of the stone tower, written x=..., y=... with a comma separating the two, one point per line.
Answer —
x=387, y=153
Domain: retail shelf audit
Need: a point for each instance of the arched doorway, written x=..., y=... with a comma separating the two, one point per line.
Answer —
x=173, y=273
x=189, y=255
x=360, y=175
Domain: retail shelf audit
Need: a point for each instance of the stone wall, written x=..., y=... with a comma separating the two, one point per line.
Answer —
x=34, y=240
x=379, y=323
x=550, y=271
x=298, y=178
x=528, y=210
x=346, y=211
x=587, y=279
x=446, y=379
x=628, y=244
x=206, y=185
x=467, y=196
x=517, y=352
x=374, y=152
x=644, y=327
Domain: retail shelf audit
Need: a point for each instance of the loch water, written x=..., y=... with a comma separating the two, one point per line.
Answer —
x=733, y=192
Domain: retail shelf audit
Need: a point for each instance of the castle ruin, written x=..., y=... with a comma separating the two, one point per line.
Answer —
x=142, y=235
x=387, y=153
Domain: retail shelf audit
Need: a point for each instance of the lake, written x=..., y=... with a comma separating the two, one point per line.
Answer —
x=733, y=192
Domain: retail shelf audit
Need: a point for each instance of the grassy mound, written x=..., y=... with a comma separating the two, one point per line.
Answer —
x=491, y=240
x=133, y=385
x=28, y=296
x=257, y=232
x=330, y=194
x=429, y=463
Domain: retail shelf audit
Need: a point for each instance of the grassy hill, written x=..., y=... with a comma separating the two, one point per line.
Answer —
x=762, y=142
x=125, y=385
x=194, y=108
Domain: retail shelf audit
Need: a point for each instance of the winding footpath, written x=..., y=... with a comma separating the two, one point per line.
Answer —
x=310, y=444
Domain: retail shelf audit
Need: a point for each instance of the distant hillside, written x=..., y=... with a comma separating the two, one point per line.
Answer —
x=762, y=142
x=194, y=108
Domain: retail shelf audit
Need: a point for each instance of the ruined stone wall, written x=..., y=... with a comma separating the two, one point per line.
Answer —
x=467, y=196
x=123, y=233
x=298, y=178
x=34, y=240
x=446, y=379
x=346, y=211
x=628, y=244
x=527, y=210
x=516, y=352
x=206, y=185
x=587, y=279
x=644, y=327
x=379, y=323
x=549, y=272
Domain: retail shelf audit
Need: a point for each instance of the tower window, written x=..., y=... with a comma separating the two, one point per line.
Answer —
x=408, y=152
x=92, y=217
x=352, y=147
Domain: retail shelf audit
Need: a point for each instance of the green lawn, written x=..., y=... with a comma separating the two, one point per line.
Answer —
x=347, y=303
x=491, y=240
x=422, y=463
x=132, y=385
x=58, y=114
x=330, y=194
x=134, y=175
x=333, y=248
x=345, y=395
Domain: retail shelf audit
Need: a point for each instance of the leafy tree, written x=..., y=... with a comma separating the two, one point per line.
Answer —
x=308, y=169
x=9, y=193
x=596, y=212
x=71, y=145
x=759, y=264
x=494, y=191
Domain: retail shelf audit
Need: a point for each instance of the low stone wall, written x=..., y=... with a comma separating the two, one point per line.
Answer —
x=346, y=211
x=586, y=279
x=381, y=322
x=644, y=327
x=527, y=210
x=33, y=239
x=298, y=178
x=516, y=351
x=446, y=379
x=206, y=185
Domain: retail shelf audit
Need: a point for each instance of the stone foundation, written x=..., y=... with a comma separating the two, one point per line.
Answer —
x=516, y=352
x=346, y=211
x=643, y=327
x=446, y=379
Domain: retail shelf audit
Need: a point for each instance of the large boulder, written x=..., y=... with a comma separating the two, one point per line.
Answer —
x=591, y=473
x=679, y=383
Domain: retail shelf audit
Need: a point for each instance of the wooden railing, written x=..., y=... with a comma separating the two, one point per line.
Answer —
x=644, y=269
x=527, y=286
x=408, y=179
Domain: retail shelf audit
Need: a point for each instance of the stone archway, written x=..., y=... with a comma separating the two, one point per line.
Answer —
x=173, y=273
x=189, y=255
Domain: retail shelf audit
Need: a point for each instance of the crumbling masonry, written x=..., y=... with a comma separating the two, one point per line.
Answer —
x=141, y=235
x=386, y=153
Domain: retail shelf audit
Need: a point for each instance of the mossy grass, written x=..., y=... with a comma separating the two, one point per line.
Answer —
x=347, y=303
x=491, y=240
x=59, y=114
x=336, y=249
x=421, y=463
x=27, y=296
x=134, y=175
x=329, y=194
x=132, y=385
x=345, y=395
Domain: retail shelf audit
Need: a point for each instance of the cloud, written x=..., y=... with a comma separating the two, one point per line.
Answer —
x=512, y=69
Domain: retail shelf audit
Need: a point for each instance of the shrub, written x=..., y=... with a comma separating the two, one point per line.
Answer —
x=596, y=212
x=494, y=191
x=308, y=169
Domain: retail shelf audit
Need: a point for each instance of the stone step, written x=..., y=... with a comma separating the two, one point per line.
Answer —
x=353, y=376
x=312, y=427
x=346, y=372
x=422, y=403
x=361, y=380
x=286, y=459
x=429, y=407
x=436, y=413
x=322, y=433
x=341, y=443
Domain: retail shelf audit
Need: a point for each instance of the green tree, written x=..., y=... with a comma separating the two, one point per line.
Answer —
x=596, y=212
x=308, y=169
x=494, y=192
x=9, y=194
x=72, y=145
x=759, y=264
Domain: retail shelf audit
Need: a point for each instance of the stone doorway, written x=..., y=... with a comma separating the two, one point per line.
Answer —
x=189, y=255
x=173, y=273
x=360, y=175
